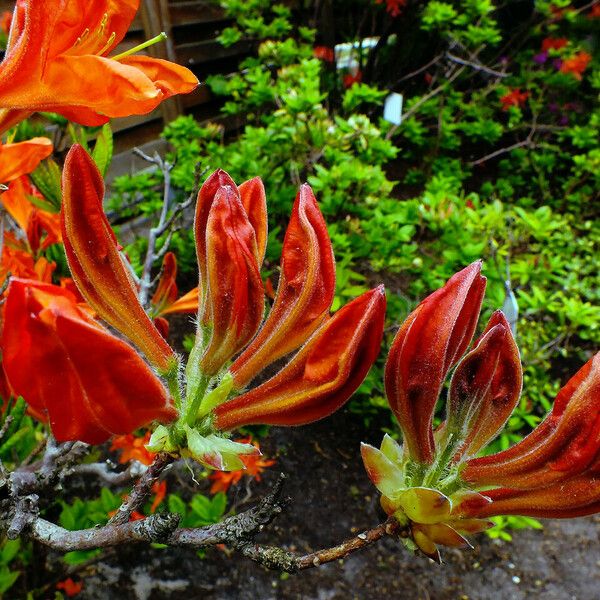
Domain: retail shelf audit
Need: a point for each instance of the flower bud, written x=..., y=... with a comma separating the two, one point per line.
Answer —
x=95, y=262
x=485, y=387
x=433, y=337
x=304, y=295
x=321, y=377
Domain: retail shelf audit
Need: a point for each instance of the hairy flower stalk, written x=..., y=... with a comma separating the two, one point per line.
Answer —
x=111, y=390
x=434, y=484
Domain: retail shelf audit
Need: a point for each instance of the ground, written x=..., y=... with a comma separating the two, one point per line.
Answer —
x=332, y=499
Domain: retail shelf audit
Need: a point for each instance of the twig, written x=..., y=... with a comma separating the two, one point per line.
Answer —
x=238, y=532
x=474, y=65
x=109, y=477
x=141, y=489
x=501, y=151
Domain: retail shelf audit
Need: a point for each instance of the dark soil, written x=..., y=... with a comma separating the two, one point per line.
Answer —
x=333, y=499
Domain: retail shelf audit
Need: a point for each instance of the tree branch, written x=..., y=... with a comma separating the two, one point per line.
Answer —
x=141, y=489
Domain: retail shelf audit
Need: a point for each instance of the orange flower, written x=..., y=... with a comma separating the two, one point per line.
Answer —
x=70, y=587
x=159, y=489
x=576, y=65
x=393, y=7
x=132, y=447
x=57, y=60
x=254, y=465
x=5, y=21
x=550, y=43
x=19, y=262
x=325, y=53
x=514, y=98
x=23, y=157
x=91, y=384
x=164, y=301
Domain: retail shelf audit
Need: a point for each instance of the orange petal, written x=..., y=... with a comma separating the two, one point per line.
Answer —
x=95, y=262
x=91, y=383
x=322, y=376
x=23, y=157
x=166, y=290
x=433, y=337
x=304, y=294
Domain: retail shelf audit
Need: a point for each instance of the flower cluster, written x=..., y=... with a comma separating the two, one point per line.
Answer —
x=93, y=384
x=434, y=484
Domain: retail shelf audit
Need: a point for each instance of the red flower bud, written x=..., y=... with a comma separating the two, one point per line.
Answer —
x=565, y=444
x=304, y=295
x=322, y=376
x=433, y=337
x=485, y=387
x=90, y=383
x=254, y=199
x=95, y=262
x=234, y=297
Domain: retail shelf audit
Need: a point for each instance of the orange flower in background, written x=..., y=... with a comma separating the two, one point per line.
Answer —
x=132, y=447
x=41, y=228
x=550, y=43
x=514, y=98
x=576, y=65
x=23, y=157
x=325, y=53
x=5, y=21
x=159, y=489
x=70, y=587
x=393, y=7
x=57, y=61
x=254, y=465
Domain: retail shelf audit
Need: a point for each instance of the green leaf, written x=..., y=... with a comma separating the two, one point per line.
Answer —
x=47, y=180
x=103, y=149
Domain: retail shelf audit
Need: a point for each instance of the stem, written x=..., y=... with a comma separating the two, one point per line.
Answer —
x=441, y=462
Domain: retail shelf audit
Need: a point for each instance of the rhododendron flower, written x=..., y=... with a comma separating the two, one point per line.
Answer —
x=434, y=485
x=57, y=60
x=254, y=465
x=576, y=64
x=133, y=447
x=514, y=98
x=393, y=7
x=90, y=383
x=70, y=587
x=121, y=393
x=326, y=53
x=550, y=43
